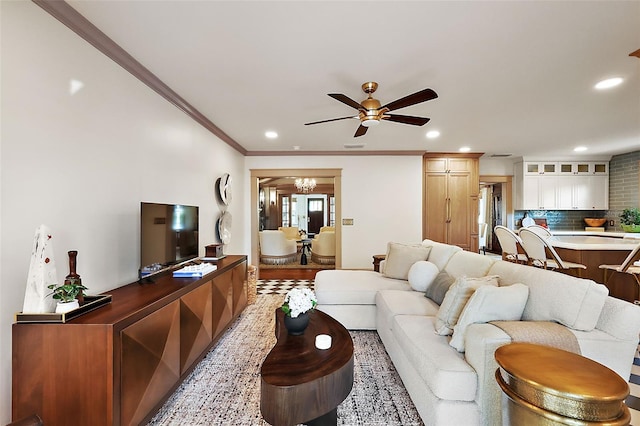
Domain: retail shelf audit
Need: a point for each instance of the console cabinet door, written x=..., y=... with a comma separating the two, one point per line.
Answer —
x=150, y=355
x=222, y=298
x=239, y=278
x=196, y=325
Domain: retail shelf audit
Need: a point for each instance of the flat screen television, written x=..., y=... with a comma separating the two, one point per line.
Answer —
x=168, y=235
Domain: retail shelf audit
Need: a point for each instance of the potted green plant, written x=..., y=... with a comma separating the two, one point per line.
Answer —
x=630, y=219
x=66, y=295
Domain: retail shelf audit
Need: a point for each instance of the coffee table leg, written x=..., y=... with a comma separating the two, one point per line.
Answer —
x=329, y=419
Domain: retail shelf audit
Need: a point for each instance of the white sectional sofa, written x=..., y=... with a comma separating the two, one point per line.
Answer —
x=450, y=387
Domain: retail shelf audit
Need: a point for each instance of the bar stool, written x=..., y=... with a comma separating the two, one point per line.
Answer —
x=511, y=244
x=541, y=254
x=627, y=267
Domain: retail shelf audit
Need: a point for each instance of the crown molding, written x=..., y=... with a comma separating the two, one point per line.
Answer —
x=70, y=17
x=328, y=153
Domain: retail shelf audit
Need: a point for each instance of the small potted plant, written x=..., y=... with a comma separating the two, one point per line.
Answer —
x=297, y=304
x=66, y=295
x=630, y=219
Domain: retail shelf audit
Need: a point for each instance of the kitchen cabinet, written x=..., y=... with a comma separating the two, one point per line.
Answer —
x=117, y=365
x=539, y=192
x=583, y=168
x=562, y=185
x=450, y=199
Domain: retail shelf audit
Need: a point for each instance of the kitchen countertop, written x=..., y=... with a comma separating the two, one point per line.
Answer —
x=615, y=234
x=592, y=242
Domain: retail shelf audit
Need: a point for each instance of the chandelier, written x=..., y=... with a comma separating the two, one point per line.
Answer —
x=305, y=185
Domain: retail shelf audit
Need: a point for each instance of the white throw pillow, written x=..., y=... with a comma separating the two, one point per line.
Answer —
x=421, y=275
x=490, y=304
x=400, y=257
x=457, y=296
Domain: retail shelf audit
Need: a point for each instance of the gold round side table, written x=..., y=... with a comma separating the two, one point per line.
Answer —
x=550, y=386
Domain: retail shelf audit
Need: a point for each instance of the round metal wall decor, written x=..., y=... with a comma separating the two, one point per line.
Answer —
x=224, y=228
x=224, y=188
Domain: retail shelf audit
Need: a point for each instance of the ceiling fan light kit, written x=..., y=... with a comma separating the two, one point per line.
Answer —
x=370, y=111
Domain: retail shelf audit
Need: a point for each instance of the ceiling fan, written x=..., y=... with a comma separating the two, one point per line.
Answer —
x=370, y=112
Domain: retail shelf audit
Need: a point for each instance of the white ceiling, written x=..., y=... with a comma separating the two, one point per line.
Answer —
x=512, y=77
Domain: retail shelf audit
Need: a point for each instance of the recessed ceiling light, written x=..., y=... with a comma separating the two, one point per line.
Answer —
x=432, y=134
x=465, y=149
x=580, y=148
x=608, y=83
x=270, y=134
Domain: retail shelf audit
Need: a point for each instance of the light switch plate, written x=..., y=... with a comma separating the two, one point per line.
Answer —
x=347, y=222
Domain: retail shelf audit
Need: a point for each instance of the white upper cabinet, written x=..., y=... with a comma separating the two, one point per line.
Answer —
x=540, y=168
x=562, y=185
x=583, y=168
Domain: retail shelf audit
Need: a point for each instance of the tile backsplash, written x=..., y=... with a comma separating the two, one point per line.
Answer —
x=566, y=220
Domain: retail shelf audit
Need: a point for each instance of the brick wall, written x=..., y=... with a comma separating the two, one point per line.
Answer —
x=624, y=191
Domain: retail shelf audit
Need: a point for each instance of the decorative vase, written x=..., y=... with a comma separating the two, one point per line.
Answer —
x=73, y=277
x=297, y=325
x=630, y=228
x=63, y=307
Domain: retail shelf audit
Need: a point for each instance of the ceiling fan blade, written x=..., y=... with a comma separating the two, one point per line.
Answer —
x=346, y=100
x=361, y=131
x=331, y=119
x=416, y=98
x=407, y=119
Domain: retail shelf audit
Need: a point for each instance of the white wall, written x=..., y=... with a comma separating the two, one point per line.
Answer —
x=497, y=166
x=382, y=194
x=82, y=163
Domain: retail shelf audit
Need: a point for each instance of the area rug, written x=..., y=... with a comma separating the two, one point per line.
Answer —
x=224, y=389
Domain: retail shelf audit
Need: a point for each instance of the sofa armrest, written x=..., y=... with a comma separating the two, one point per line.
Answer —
x=620, y=319
x=481, y=342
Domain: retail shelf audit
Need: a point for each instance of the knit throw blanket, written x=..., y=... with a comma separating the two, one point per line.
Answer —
x=544, y=333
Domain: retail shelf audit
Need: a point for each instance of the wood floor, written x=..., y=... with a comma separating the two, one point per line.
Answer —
x=287, y=274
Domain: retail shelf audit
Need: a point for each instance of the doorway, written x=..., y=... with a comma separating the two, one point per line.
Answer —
x=316, y=215
x=259, y=200
x=495, y=208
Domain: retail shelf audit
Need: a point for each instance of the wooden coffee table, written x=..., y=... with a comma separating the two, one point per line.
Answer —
x=303, y=384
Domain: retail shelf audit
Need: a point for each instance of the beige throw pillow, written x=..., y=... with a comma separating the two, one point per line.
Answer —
x=490, y=303
x=455, y=299
x=400, y=257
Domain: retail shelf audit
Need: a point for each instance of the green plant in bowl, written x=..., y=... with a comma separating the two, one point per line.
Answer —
x=630, y=220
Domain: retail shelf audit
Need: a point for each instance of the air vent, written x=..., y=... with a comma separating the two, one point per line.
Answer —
x=501, y=155
x=353, y=145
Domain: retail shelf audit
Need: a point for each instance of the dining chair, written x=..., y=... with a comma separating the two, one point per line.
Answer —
x=540, y=230
x=511, y=244
x=631, y=265
x=541, y=254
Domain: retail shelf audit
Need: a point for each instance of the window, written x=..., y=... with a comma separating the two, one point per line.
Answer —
x=294, y=211
x=332, y=211
x=315, y=205
x=285, y=211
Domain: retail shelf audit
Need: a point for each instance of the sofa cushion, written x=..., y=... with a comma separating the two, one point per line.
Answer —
x=468, y=264
x=440, y=252
x=443, y=369
x=390, y=303
x=490, y=303
x=553, y=296
x=350, y=287
x=455, y=299
x=439, y=287
x=421, y=275
x=400, y=257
